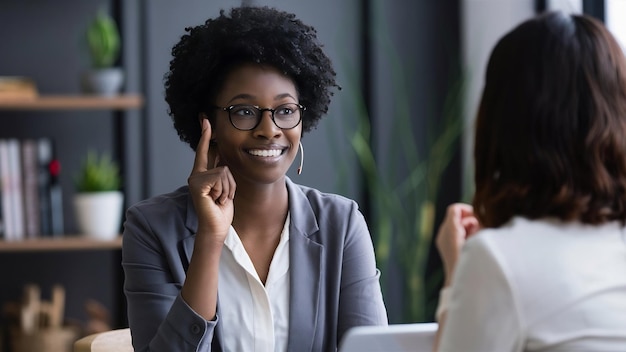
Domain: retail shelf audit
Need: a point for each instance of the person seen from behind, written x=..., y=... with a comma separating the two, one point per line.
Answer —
x=537, y=262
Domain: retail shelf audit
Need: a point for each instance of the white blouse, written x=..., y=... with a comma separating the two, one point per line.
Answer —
x=540, y=285
x=254, y=317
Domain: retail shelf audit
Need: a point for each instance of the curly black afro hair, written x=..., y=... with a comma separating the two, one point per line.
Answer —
x=207, y=53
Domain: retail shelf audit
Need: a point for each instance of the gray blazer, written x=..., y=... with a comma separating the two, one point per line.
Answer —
x=334, y=279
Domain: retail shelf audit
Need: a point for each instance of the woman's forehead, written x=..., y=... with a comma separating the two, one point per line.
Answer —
x=255, y=81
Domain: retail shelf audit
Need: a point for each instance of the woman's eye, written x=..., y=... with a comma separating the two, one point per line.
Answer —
x=244, y=111
x=285, y=111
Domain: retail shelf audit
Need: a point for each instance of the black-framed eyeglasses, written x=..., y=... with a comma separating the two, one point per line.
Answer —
x=248, y=117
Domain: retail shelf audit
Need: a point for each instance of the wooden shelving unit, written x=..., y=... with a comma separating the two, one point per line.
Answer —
x=73, y=102
x=64, y=243
x=66, y=102
x=87, y=268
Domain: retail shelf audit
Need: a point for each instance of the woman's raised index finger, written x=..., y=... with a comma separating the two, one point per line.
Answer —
x=201, y=160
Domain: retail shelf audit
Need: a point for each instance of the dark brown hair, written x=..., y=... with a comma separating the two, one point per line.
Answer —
x=551, y=126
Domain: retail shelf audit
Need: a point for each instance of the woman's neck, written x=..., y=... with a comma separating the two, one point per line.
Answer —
x=260, y=209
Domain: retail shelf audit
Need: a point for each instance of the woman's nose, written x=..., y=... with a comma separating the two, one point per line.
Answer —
x=267, y=128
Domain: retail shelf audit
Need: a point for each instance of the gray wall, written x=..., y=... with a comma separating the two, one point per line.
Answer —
x=483, y=23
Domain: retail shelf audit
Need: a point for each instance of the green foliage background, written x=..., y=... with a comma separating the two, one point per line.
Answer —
x=404, y=184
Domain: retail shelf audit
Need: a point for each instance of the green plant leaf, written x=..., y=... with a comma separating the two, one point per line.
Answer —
x=103, y=39
x=98, y=173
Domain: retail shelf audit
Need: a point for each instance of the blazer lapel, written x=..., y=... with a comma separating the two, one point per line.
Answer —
x=305, y=273
x=191, y=222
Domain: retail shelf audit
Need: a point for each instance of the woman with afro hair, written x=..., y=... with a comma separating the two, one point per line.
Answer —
x=241, y=258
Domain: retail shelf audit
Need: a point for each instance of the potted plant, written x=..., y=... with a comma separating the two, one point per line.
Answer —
x=103, y=44
x=98, y=202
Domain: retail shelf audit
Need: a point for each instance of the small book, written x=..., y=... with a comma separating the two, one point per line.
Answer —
x=15, y=188
x=5, y=194
x=30, y=186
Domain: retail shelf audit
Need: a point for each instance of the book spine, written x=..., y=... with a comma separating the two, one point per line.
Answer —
x=30, y=186
x=17, y=199
x=2, y=229
x=6, y=195
x=31, y=203
x=44, y=157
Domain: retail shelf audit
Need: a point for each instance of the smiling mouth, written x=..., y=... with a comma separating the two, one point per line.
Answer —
x=266, y=152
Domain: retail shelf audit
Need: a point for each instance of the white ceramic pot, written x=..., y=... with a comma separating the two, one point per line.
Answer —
x=104, y=81
x=99, y=214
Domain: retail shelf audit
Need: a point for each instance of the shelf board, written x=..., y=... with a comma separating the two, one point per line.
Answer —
x=73, y=102
x=63, y=243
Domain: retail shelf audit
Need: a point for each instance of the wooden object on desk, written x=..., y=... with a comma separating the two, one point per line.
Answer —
x=49, y=339
x=40, y=323
x=56, y=310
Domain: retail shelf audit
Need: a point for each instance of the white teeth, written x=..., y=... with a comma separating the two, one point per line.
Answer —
x=266, y=153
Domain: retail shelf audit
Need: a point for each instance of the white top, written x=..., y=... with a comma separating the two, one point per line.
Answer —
x=539, y=285
x=253, y=317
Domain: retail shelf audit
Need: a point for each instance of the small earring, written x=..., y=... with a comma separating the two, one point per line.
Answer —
x=301, y=159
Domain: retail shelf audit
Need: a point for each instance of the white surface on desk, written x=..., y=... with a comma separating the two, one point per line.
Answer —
x=415, y=337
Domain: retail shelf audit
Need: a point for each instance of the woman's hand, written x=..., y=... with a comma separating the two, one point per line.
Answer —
x=212, y=189
x=458, y=224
